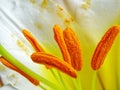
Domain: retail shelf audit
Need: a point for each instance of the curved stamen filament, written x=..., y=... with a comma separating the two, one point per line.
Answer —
x=74, y=49
x=58, y=35
x=6, y=63
x=104, y=46
x=44, y=58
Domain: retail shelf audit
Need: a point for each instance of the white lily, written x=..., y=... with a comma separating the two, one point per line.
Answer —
x=89, y=20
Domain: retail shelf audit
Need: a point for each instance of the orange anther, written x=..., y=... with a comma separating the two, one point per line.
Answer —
x=34, y=43
x=58, y=35
x=44, y=58
x=9, y=65
x=104, y=46
x=32, y=40
x=74, y=49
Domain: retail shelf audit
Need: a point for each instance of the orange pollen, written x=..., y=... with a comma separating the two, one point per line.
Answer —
x=104, y=46
x=44, y=58
x=32, y=40
x=9, y=65
x=73, y=47
x=69, y=46
x=58, y=35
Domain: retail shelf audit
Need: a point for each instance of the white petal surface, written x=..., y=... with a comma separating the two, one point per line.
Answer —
x=95, y=18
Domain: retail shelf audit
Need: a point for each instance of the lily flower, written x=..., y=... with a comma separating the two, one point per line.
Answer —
x=59, y=44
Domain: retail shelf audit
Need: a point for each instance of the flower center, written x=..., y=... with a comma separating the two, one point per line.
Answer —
x=71, y=50
x=69, y=46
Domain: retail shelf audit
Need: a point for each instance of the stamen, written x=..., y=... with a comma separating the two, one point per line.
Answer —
x=44, y=58
x=32, y=40
x=9, y=65
x=58, y=35
x=74, y=49
x=104, y=46
x=34, y=43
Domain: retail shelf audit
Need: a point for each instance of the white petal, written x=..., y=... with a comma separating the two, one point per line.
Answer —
x=16, y=44
x=96, y=18
x=100, y=16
